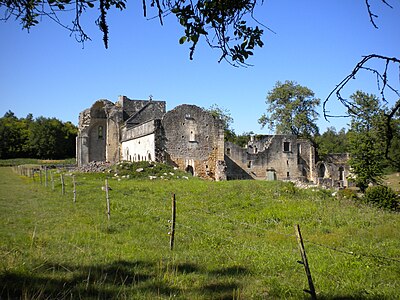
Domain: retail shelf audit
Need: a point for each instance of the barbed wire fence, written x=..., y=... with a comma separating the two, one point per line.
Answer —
x=176, y=226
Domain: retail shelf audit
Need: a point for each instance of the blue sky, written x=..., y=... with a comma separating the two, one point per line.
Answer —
x=317, y=43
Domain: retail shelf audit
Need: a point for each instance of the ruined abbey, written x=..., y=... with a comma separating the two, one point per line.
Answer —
x=192, y=139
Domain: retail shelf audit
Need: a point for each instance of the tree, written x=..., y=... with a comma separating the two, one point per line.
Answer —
x=366, y=139
x=223, y=24
x=13, y=136
x=291, y=110
x=224, y=115
x=41, y=138
x=331, y=142
x=393, y=152
x=243, y=139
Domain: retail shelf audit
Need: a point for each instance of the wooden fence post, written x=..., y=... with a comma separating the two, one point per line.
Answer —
x=62, y=184
x=74, y=183
x=52, y=180
x=172, y=232
x=305, y=263
x=108, y=201
x=45, y=176
x=40, y=175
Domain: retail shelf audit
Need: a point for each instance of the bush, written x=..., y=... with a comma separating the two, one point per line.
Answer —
x=347, y=194
x=382, y=197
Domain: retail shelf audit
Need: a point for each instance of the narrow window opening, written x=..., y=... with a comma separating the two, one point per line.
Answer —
x=286, y=146
x=288, y=175
x=249, y=164
x=341, y=173
x=100, y=134
x=228, y=151
x=192, y=136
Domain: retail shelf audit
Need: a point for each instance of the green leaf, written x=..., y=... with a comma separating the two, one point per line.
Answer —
x=195, y=38
x=182, y=40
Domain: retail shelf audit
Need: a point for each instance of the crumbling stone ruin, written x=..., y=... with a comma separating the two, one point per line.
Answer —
x=192, y=139
x=187, y=137
x=273, y=157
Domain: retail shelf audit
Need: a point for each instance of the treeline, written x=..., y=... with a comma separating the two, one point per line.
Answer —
x=43, y=138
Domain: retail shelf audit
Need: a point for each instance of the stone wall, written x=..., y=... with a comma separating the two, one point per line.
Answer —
x=333, y=170
x=130, y=107
x=93, y=133
x=306, y=159
x=269, y=156
x=194, y=141
x=140, y=142
x=99, y=133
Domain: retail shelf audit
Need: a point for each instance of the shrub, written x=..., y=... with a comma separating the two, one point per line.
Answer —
x=347, y=194
x=382, y=196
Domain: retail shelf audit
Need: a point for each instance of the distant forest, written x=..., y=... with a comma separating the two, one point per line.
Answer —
x=43, y=138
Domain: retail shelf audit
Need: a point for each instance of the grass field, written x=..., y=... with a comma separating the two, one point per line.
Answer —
x=34, y=161
x=234, y=240
x=393, y=180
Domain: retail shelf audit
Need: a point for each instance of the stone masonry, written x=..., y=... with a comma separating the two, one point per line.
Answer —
x=192, y=139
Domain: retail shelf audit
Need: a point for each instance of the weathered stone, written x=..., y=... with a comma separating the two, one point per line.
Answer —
x=191, y=139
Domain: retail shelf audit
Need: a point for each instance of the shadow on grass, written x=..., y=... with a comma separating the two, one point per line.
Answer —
x=362, y=295
x=55, y=281
x=118, y=279
x=231, y=271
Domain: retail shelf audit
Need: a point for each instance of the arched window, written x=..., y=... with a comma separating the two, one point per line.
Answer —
x=100, y=133
x=189, y=169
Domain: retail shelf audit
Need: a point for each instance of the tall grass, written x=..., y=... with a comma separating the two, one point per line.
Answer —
x=234, y=240
x=35, y=161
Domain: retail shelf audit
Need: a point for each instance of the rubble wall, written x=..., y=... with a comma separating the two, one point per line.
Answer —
x=194, y=141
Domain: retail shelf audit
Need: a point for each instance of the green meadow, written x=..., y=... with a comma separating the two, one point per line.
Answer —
x=233, y=240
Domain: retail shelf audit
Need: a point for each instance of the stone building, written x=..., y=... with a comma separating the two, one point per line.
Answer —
x=103, y=127
x=141, y=130
x=192, y=139
x=271, y=157
x=333, y=171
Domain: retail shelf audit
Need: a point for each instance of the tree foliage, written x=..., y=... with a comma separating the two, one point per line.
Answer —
x=45, y=138
x=367, y=139
x=382, y=197
x=291, y=110
x=223, y=24
x=226, y=117
x=393, y=149
x=331, y=142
